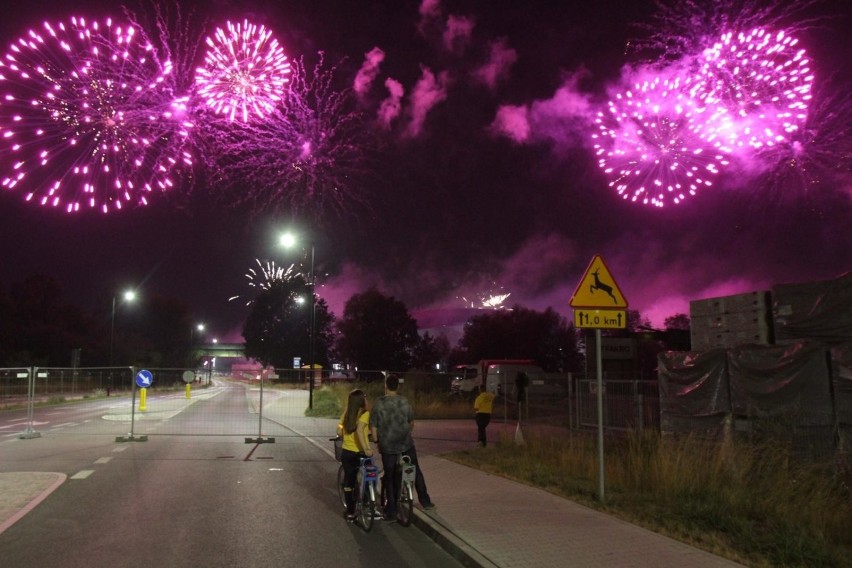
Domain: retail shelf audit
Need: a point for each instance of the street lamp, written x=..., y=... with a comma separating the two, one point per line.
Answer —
x=289, y=240
x=128, y=296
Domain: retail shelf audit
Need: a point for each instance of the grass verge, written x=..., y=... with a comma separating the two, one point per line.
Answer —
x=329, y=401
x=753, y=504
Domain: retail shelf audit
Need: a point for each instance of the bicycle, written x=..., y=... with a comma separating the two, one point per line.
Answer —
x=404, y=474
x=366, y=487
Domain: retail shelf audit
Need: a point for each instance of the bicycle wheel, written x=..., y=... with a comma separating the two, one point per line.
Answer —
x=341, y=476
x=405, y=504
x=368, y=507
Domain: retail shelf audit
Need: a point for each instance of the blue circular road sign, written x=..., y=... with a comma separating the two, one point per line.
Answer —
x=144, y=378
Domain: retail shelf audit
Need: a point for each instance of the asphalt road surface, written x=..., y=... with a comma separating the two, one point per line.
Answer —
x=195, y=493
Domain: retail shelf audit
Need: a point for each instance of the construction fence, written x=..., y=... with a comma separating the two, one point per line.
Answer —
x=257, y=405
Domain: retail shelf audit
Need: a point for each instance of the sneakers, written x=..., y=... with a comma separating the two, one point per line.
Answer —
x=350, y=517
x=428, y=506
x=390, y=518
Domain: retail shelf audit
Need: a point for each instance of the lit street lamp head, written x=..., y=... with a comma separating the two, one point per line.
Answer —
x=287, y=240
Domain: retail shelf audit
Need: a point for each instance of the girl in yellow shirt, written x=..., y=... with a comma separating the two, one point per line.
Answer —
x=354, y=428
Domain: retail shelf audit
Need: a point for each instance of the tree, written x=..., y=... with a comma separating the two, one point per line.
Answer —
x=430, y=351
x=376, y=332
x=677, y=335
x=677, y=321
x=278, y=329
x=39, y=327
x=521, y=333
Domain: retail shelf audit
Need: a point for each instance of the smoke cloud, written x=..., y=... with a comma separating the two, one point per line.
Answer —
x=501, y=57
x=390, y=108
x=428, y=92
x=368, y=71
x=564, y=118
x=458, y=32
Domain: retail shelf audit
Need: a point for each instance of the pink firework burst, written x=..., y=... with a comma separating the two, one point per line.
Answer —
x=244, y=73
x=89, y=117
x=684, y=28
x=763, y=82
x=311, y=156
x=653, y=143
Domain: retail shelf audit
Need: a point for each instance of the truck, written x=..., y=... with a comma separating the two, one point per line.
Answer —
x=498, y=375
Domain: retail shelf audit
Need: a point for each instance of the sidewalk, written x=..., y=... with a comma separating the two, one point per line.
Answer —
x=487, y=521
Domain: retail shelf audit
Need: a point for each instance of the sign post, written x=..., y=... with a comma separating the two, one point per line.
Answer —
x=599, y=304
x=188, y=377
x=142, y=377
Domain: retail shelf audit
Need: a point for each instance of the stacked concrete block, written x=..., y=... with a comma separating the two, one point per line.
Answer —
x=730, y=321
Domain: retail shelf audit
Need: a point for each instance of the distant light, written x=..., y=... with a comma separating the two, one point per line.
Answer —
x=287, y=240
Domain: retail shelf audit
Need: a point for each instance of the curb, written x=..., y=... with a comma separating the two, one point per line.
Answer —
x=452, y=544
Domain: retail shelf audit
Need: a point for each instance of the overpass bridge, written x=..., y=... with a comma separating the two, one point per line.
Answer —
x=221, y=350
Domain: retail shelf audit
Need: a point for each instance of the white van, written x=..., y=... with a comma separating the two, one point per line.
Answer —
x=499, y=375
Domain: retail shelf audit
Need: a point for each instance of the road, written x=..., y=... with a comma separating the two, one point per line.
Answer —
x=195, y=493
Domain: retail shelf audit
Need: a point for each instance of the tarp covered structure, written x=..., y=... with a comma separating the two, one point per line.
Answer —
x=841, y=380
x=821, y=311
x=805, y=381
x=694, y=391
x=791, y=380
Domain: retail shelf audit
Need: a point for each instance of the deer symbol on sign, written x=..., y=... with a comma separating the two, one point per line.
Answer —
x=598, y=285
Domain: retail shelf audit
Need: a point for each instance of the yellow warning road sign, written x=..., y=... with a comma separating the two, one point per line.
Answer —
x=598, y=289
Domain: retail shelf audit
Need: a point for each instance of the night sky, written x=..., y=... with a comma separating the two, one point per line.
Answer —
x=453, y=203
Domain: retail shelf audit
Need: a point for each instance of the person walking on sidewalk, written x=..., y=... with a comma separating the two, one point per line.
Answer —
x=483, y=406
x=354, y=428
x=391, y=423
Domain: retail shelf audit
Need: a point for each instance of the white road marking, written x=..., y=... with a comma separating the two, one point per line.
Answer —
x=103, y=460
x=83, y=474
x=119, y=449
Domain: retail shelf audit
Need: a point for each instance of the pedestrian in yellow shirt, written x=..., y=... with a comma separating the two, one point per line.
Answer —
x=483, y=406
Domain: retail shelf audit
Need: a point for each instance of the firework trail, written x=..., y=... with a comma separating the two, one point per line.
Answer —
x=179, y=35
x=653, y=143
x=308, y=157
x=818, y=155
x=89, y=117
x=244, y=73
x=266, y=275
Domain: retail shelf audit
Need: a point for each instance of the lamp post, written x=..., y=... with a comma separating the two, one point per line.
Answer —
x=200, y=328
x=288, y=240
x=129, y=296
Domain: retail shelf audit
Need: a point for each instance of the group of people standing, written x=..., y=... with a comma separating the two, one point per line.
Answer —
x=389, y=423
